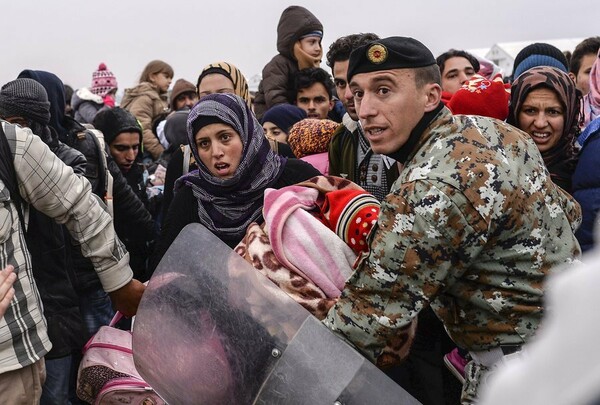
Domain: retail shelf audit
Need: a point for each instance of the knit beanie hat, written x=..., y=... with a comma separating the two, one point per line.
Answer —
x=25, y=98
x=181, y=86
x=311, y=136
x=114, y=121
x=539, y=54
x=103, y=81
x=284, y=116
x=176, y=128
x=480, y=96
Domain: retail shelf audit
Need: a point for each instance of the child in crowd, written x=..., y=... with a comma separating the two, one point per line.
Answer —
x=87, y=102
x=148, y=100
x=299, y=35
x=309, y=140
x=278, y=120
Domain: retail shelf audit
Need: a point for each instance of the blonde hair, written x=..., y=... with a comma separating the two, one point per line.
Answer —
x=156, y=66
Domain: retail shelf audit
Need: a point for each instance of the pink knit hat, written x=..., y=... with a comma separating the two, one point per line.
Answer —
x=103, y=81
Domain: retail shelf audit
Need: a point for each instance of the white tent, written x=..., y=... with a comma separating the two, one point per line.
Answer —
x=503, y=54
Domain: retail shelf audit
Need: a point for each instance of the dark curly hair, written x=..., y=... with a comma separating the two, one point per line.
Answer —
x=341, y=49
x=307, y=77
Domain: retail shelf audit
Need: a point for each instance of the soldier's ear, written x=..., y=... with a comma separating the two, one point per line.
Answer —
x=433, y=92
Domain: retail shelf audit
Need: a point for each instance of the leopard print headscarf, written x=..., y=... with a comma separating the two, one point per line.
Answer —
x=558, y=81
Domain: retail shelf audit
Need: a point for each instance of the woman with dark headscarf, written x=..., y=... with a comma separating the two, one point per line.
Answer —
x=545, y=103
x=217, y=77
x=235, y=166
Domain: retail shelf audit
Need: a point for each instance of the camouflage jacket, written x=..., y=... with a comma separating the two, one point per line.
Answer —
x=471, y=227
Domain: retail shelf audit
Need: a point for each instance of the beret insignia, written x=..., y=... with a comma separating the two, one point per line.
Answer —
x=377, y=53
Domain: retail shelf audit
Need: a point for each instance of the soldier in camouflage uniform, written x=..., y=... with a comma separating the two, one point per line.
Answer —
x=472, y=226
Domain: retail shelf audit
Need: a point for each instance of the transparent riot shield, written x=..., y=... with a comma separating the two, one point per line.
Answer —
x=212, y=330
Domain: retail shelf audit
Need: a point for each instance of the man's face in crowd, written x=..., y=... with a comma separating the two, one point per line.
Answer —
x=340, y=71
x=582, y=79
x=457, y=70
x=390, y=105
x=315, y=101
x=187, y=99
x=124, y=149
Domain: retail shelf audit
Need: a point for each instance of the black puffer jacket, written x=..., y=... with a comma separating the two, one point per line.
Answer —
x=130, y=215
x=52, y=266
x=277, y=84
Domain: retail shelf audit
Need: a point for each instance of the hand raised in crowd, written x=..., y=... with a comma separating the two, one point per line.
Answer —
x=7, y=292
x=127, y=298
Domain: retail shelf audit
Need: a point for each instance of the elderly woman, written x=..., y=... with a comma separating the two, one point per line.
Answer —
x=235, y=167
x=544, y=103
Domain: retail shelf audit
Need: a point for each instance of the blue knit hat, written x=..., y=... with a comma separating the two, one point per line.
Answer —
x=315, y=33
x=284, y=116
x=539, y=54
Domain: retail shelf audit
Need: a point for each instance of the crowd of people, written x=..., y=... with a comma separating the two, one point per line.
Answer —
x=435, y=196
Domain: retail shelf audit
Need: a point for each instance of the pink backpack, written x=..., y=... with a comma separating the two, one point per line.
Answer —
x=107, y=374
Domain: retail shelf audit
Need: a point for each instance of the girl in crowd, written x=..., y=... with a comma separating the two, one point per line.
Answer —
x=545, y=104
x=148, y=101
x=235, y=167
x=278, y=121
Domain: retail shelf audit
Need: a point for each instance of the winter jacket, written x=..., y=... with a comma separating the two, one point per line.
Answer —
x=277, y=84
x=133, y=223
x=342, y=156
x=586, y=184
x=86, y=105
x=130, y=213
x=51, y=265
x=319, y=161
x=145, y=103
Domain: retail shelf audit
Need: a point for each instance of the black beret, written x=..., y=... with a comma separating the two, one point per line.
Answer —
x=389, y=53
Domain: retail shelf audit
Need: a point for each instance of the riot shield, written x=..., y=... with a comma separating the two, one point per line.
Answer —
x=211, y=329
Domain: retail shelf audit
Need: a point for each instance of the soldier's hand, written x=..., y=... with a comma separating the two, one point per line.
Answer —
x=127, y=298
x=7, y=292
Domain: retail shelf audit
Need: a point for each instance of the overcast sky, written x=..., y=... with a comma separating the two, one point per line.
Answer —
x=70, y=38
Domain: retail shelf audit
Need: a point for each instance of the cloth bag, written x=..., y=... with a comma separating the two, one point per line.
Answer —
x=107, y=374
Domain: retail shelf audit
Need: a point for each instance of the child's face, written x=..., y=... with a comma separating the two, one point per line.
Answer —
x=161, y=80
x=311, y=45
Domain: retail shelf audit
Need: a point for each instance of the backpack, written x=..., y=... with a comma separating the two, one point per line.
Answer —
x=107, y=374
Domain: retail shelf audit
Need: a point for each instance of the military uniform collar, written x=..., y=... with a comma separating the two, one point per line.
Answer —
x=411, y=146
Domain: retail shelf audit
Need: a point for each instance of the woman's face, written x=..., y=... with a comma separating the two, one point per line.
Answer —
x=272, y=131
x=215, y=83
x=542, y=116
x=220, y=149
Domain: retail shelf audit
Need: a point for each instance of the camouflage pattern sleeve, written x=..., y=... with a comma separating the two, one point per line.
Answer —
x=421, y=243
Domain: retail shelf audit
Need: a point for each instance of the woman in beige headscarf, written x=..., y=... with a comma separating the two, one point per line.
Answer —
x=217, y=77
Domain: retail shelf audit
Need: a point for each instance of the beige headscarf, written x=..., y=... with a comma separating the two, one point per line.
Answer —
x=240, y=85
